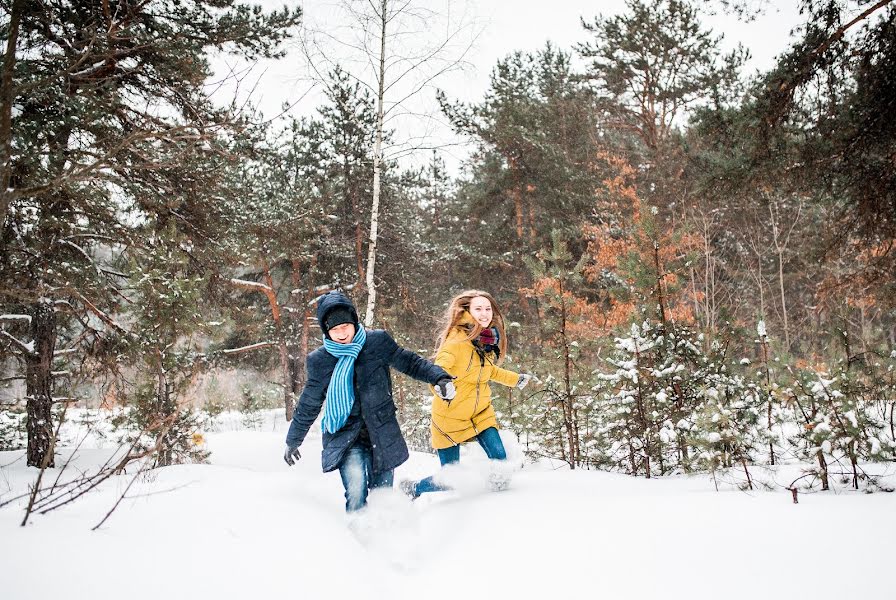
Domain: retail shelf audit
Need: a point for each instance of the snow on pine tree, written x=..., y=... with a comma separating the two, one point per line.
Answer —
x=728, y=430
x=166, y=310
x=648, y=401
x=887, y=400
x=838, y=423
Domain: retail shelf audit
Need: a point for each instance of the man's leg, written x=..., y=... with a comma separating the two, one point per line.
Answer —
x=382, y=480
x=354, y=473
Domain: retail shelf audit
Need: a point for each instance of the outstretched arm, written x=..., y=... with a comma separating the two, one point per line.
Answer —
x=505, y=377
x=412, y=364
x=310, y=402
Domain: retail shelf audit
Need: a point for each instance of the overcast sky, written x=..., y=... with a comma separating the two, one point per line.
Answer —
x=500, y=27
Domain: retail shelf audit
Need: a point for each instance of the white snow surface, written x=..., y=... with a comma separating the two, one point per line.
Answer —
x=247, y=526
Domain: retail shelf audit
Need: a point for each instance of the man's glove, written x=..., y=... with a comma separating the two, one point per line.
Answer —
x=523, y=381
x=291, y=455
x=445, y=389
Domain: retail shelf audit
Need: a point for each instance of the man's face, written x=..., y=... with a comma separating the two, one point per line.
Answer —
x=342, y=334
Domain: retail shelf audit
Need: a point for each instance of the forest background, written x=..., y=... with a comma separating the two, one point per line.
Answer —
x=697, y=263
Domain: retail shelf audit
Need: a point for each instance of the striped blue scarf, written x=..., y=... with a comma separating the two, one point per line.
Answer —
x=341, y=391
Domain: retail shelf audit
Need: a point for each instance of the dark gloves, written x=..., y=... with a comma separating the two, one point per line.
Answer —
x=445, y=389
x=291, y=455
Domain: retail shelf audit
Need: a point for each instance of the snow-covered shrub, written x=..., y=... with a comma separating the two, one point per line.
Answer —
x=648, y=402
x=12, y=429
x=728, y=428
x=167, y=432
x=838, y=422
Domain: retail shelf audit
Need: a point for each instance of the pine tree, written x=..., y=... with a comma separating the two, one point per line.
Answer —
x=728, y=430
x=655, y=63
x=564, y=323
x=536, y=137
x=839, y=424
x=104, y=125
x=166, y=311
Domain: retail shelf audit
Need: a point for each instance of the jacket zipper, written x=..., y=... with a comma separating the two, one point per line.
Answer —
x=478, y=378
x=450, y=439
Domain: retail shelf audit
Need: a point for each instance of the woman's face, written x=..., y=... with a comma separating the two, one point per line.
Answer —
x=481, y=309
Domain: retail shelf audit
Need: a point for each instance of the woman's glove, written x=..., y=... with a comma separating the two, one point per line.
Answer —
x=523, y=381
x=291, y=455
x=445, y=389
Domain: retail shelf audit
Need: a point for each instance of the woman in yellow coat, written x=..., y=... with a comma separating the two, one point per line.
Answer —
x=472, y=344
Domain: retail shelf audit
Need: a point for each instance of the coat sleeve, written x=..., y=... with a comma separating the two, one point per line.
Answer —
x=447, y=356
x=311, y=400
x=412, y=364
x=505, y=377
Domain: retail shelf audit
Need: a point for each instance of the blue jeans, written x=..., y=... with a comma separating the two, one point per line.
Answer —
x=357, y=478
x=490, y=440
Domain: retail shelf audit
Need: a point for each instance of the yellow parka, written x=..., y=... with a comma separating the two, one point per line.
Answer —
x=470, y=412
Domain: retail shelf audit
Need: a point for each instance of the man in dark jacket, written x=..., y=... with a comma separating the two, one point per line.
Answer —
x=361, y=435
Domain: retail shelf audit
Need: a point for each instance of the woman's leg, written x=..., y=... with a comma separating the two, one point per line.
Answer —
x=490, y=440
x=499, y=477
x=447, y=456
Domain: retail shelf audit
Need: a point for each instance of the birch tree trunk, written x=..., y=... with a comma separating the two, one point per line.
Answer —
x=780, y=248
x=377, y=167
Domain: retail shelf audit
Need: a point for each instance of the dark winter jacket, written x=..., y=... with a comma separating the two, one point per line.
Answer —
x=373, y=405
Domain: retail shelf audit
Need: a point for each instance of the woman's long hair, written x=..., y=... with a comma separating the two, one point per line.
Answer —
x=456, y=309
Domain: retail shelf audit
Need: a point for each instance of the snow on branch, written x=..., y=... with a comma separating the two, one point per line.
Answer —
x=328, y=287
x=251, y=285
x=103, y=316
x=14, y=318
x=248, y=348
x=82, y=251
x=22, y=346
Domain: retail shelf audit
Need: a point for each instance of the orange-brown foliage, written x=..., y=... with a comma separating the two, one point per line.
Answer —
x=623, y=233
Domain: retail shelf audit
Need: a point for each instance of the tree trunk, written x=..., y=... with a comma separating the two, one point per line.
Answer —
x=356, y=215
x=743, y=463
x=283, y=351
x=783, y=299
x=823, y=470
x=518, y=212
x=567, y=383
x=660, y=295
x=7, y=97
x=763, y=340
x=377, y=167
x=164, y=410
x=854, y=462
x=892, y=425
x=39, y=385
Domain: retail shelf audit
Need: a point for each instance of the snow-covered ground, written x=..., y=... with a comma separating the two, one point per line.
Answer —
x=246, y=526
